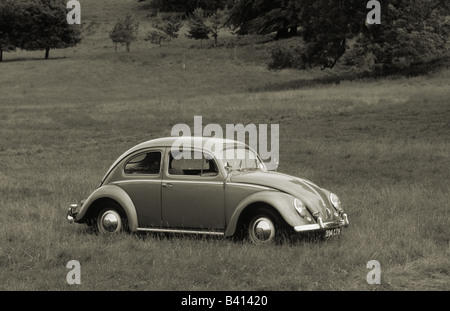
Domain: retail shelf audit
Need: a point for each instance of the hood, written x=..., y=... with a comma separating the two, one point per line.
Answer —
x=313, y=196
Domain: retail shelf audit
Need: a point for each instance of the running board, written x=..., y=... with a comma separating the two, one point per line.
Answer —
x=181, y=231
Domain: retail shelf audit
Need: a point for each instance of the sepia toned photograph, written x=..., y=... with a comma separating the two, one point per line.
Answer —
x=224, y=150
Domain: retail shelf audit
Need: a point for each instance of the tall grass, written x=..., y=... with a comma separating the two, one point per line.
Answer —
x=381, y=144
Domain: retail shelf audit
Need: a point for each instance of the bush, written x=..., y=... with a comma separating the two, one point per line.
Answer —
x=198, y=30
x=286, y=57
x=281, y=59
x=124, y=32
x=166, y=29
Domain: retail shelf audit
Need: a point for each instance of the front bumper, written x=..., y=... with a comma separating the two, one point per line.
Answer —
x=320, y=225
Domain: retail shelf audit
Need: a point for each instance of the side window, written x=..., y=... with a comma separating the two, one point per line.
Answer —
x=144, y=163
x=192, y=163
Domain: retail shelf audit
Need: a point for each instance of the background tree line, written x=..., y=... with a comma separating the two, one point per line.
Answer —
x=330, y=31
x=166, y=28
x=187, y=6
x=35, y=25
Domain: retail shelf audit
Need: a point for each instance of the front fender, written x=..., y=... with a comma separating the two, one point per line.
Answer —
x=280, y=201
x=114, y=193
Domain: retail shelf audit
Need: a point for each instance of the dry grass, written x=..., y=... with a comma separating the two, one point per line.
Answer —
x=381, y=144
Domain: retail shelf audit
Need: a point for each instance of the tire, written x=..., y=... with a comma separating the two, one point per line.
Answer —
x=110, y=219
x=264, y=227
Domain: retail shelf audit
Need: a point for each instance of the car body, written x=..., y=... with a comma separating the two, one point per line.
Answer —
x=206, y=186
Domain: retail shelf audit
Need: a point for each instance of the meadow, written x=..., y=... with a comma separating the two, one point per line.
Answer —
x=381, y=144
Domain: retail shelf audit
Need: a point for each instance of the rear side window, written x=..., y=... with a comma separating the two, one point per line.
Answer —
x=144, y=163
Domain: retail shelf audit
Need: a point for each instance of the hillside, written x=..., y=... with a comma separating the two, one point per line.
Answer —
x=380, y=144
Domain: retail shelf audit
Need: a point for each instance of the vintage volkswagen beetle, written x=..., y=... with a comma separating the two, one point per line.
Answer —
x=195, y=188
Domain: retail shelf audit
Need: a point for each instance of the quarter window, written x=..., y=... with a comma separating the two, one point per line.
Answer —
x=144, y=163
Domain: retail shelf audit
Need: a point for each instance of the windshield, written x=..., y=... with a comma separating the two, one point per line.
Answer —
x=239, y=158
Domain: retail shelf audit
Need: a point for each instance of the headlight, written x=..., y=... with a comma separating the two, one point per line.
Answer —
x=300, y=207
x=334, y=199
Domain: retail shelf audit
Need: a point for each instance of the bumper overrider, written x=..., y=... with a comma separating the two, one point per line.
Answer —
x=320, y=225
x=72, y=213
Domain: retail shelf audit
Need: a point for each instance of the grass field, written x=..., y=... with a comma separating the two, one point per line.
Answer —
x=381, y=144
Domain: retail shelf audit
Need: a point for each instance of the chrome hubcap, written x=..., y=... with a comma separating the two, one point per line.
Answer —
x=110, y=221
x=263, y=229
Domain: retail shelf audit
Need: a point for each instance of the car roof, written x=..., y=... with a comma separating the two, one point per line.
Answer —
x=163, y=142
x=182, y=140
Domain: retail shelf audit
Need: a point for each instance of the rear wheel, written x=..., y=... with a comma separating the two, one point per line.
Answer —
x=110, y=219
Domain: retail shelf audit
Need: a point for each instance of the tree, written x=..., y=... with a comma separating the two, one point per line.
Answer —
x=186, y=6
x=216, y=22
x=166, y=29
x=157, y=37
x=284, y=20
x=44, y=26
x=124, y=32
x=39, y=25
x=198, y=30
x=265, y=16
x=327, y=27
x=410, y=31
x=8, y=41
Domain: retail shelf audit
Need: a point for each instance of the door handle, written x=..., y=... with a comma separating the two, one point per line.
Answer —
x=166, y=185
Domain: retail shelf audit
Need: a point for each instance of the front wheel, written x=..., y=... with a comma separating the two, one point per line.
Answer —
x=264, y=227
x=109, y=220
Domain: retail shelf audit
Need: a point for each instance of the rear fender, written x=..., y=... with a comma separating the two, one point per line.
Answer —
x=115, y=193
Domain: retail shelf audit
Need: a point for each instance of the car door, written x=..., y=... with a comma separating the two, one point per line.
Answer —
x=142, y=173
x=192, y=192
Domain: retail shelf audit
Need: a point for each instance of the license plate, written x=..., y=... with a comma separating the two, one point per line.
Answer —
x=332, y=232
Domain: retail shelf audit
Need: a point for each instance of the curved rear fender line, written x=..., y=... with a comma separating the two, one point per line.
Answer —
x=280, y=201
x=114, y=193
